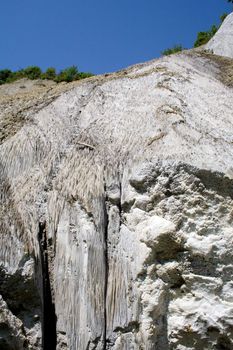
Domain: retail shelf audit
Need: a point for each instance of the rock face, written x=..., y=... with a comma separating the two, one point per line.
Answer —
x=222, y=42
x=117, y=209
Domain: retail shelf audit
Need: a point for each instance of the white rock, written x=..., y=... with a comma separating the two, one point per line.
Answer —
x=116, y=208
x=222, y=43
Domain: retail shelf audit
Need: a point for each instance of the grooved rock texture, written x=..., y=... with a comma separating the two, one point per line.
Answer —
x=117, y=209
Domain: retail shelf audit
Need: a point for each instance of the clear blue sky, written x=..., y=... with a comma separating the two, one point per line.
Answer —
x=99, y=35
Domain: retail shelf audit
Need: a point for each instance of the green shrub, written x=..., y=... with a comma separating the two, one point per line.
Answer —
x=83, y=75
x=16, y=76
x=172, y=50
x=224, y=15
x=69, y=74
x=32, y=72
x=49, y=74
x=4, y=75
x=204, y=37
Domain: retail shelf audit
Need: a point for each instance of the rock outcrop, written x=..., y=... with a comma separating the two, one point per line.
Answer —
x=117, y=209
x=222, y=42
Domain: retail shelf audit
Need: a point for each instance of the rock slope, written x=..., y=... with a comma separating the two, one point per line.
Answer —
x=222, y=42
x=116, y=209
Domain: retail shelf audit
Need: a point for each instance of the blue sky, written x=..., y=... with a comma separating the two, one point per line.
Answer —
x=99, y=35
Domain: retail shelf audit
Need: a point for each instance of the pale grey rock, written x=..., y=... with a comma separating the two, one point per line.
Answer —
x=222, y=43
x=11, y=334
x=116, y=213
x=24, y=86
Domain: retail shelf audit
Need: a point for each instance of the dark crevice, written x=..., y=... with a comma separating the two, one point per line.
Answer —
x=224, y=343
x=107, y=205
x=49, y=336
x=127, y=206
x=216, y=181
x=106, y=221
x=162, y=340
x=133, y=326
x=93, y=344
x=120, y=205
x=212, y=180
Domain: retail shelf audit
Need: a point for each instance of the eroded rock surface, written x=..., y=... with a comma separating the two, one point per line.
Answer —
x=116, y=210
x=222, y=42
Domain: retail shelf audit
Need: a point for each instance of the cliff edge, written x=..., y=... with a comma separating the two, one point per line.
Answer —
x=117, y=208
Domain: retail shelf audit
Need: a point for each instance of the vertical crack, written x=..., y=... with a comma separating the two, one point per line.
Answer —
x=49, y=336
x=107, y=205
x=106, y=221
x=119, y=204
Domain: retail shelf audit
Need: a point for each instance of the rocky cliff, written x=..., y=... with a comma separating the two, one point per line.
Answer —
x=222, y=42
x=117, y=208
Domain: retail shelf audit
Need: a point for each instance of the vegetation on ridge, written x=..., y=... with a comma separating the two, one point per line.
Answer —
x=172, y=50
x=202, y=38
x=33, y=72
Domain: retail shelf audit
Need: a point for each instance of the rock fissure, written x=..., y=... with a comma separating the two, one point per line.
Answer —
x=107, y=269
x=131, y=327
x=49, y=336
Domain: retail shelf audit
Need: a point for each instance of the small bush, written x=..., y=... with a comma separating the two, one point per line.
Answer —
x=171, y=51
x=83, y=75
x=204, y=37
x=69, y=74
x=50, y=74
x=4, y=75
x=32, y=72
x=16, y=76
x=222, y=18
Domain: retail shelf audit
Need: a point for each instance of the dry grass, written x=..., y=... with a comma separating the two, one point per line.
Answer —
x=9, y=126
x=16, y=105
x=224, y=64
x=16, y=108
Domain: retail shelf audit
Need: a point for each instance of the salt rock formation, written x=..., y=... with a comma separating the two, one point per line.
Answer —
x=117, y=209
x=222, y=42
